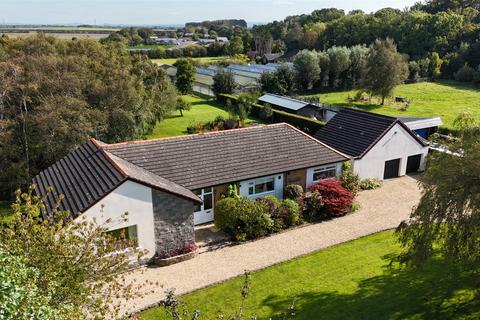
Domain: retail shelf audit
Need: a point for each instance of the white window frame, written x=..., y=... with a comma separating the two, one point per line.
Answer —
x=201, y=195
x=324, y=169
x=253, y=184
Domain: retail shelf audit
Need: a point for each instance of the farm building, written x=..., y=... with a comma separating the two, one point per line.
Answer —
x=291, y=105
x=246, y=76
x=169, y=185
x=381, y=147
x=279, y=57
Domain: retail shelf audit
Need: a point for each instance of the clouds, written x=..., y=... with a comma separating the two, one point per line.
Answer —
x=156, y=12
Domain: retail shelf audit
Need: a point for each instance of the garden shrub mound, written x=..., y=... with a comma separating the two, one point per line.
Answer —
x=336, y=199
x=350, y=180
x=242, y=218
x=284, y=214
x=370, y=184
x=245, y=219
x=293, y=191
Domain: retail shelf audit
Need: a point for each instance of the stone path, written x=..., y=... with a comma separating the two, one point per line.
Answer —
x=381, y=209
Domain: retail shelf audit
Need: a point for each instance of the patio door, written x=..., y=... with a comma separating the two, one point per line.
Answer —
x=204, y=212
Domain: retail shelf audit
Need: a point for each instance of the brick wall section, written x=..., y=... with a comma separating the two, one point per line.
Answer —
x=173, y=220
x=218, y=191
x=297, y=177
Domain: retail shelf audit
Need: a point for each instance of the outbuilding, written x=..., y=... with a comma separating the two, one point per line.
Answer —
x=291, y=105
x=382, y=147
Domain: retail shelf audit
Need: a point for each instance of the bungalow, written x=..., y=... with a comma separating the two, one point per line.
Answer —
x=291, y=105
x=169, y=185
x=382, y=147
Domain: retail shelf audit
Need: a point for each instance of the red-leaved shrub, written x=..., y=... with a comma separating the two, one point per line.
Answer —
x=337, y=200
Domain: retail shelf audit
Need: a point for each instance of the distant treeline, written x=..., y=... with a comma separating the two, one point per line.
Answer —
x=227, y=23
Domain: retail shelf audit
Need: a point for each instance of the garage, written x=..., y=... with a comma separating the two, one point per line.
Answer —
x=392, y=168
x=379, y=145
x=413, y=163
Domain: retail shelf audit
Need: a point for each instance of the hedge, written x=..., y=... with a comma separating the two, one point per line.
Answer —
x=303, y=123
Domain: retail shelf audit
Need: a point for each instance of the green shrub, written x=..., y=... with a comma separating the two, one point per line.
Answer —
x=294, y=218
x=195, y=127
x=284, y=214
x=266, y=112
x=231, y=192
x=370, y=184
x=350, y=180
x=312, y=205
x=243, y=218
x=293, y=191
x=465, y=73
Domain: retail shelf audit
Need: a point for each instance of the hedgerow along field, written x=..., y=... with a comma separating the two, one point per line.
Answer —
x=203, y=110
x=446, y=99
x=353, y=280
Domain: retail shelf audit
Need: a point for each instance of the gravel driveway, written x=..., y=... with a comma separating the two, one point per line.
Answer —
x=381, y=209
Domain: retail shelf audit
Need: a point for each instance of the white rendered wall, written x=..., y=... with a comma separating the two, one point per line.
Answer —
x=136, y=200
x=397, y=143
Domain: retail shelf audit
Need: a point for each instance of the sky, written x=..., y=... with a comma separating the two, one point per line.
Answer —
x=170, y=12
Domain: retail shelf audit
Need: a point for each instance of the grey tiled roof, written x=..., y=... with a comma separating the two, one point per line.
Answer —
x=355, y=132
x=84, y=176
x=88, y=174
x=210, y=159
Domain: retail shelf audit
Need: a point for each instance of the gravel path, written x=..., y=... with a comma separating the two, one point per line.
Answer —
x=381, y=209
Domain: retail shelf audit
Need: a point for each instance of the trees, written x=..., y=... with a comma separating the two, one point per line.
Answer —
x=185, y=76
x=339, y=58
x=279, y=82
x=447, y=218
x=285, y=79
x=242, y=106
x=64, y=268
x=223, y=82
x=183, y=105
x=385, y=69
x=235, y=46
x=306, y=69
x=20, y=298
x=435, y=65
x=55, y=94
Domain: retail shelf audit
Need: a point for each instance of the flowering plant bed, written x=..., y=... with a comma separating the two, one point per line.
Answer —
x=184, y=252
x=163, y=262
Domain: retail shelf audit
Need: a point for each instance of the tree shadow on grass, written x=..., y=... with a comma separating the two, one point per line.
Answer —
x=436, y=291
x=459, y=85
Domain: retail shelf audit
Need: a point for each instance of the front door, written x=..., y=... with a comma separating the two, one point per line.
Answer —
x=392, y=168
x=204, y=212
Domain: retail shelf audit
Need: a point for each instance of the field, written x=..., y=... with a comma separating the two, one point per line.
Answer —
x=204, y=60
x=444, y=99
x=353, y=280
x=202, y=111
x=62, y=35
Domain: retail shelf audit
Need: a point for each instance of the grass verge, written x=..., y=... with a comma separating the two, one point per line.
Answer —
x=354, y=280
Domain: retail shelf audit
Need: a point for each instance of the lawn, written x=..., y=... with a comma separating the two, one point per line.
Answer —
x=203, y=110
x=353, y=280
x=446, y=99
x=203, y=60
